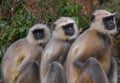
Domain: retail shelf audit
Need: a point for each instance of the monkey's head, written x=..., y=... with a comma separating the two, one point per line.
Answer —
x=65, y=28
x=39, y=34
x=104, y=22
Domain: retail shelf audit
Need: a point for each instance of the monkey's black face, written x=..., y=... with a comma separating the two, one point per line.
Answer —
x=109, y=22
x=38, y=34
x=69, y=29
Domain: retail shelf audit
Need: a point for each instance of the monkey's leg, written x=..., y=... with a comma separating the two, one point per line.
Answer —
x=92, y=72
x=24, y=64
x=56, y=73
x=30, y=74
x=112, y=74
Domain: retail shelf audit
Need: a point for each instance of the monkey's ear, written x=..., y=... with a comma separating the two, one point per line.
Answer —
x=53, y=26
x=92, y=18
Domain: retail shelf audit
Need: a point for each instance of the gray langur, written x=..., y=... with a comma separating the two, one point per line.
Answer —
x=20, y=63
x=89, y=58
x=54, y=54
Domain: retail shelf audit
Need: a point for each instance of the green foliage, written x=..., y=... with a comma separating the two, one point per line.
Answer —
x=17, y=20
x=14, y=26
x=72, y=10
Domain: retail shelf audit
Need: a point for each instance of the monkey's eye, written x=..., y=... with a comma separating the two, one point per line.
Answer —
x=38, y=34
x=69, y=29
x=109, y=22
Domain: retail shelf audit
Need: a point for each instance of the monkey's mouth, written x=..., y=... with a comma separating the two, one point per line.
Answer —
x=39, y=36
x=69, y=29
x=70, y=33
x=111, y=27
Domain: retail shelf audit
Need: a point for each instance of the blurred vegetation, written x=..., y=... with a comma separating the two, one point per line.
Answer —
x=17, y=17
x=14, y=24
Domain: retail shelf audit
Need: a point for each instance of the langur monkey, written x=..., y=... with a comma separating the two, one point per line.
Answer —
x=21, y=61
x=89, y=60
x=54, y=54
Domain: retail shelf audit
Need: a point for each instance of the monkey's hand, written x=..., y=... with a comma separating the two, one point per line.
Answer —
x=24, y=64
x=78, y=64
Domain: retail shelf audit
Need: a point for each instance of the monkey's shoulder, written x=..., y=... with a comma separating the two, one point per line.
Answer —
x=90, y=41
x=92, y=37
x=16, y=46
x=18, y=43
x=22, y=47
x=106, y=39
x=86, y=38
x=14, y=50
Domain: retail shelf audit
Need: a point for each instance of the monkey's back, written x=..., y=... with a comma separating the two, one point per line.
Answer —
x=8, y=62
x=88, y=44
x=14, y=56
x=55, y=49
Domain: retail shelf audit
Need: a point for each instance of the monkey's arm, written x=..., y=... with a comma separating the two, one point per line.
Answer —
x=112, y=74
x=95, y=71
x=79, y=62
x=25, y=63
x=56, y=73
x=84, y=51
x=30, y=74
x=55, y=55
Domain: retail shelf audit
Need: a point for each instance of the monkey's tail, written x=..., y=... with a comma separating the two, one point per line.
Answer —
x=56, y=73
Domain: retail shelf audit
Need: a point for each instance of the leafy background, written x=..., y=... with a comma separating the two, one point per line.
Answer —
x=17, y=16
